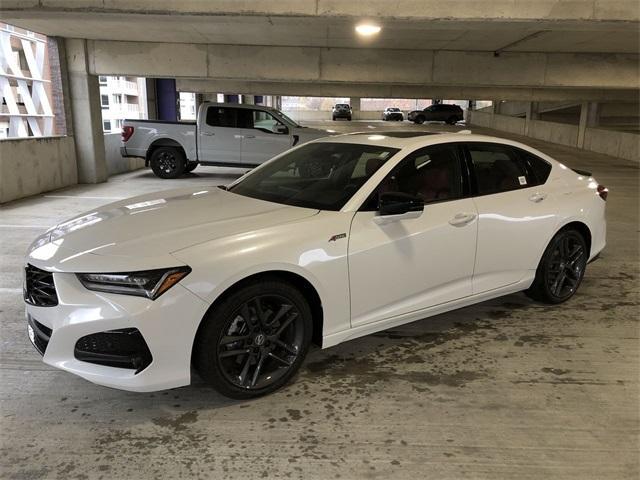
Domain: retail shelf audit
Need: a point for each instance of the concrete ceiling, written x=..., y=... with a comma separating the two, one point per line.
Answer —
x=584, y=26
x=551, y=49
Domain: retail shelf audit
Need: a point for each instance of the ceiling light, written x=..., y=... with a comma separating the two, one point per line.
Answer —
x=367, y=29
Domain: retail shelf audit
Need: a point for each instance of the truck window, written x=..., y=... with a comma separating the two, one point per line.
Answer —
x=221, y=117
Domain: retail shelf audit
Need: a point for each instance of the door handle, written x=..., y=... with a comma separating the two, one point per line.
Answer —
x=208, y=134
x=538, y=197
x=249, y=136
x=462, y=219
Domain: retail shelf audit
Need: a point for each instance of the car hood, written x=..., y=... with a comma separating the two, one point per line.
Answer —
x=139, y=232
x=307, y=134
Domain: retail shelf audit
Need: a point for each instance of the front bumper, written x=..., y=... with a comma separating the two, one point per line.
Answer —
x=342, y=114
x=168, y=326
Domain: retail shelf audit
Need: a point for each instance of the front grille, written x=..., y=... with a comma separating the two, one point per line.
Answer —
x=39, y=289
x=123, y=348
x=41, y=335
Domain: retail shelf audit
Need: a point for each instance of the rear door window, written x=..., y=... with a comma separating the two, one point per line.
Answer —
x=498, y=168
x=221, y=117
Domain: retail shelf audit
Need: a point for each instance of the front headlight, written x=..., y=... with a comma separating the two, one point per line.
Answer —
x=148, y=283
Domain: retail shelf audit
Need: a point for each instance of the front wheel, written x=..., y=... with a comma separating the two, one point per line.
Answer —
x=255, y=340
x=561, y=268
x=168, y=162
x=419, y=120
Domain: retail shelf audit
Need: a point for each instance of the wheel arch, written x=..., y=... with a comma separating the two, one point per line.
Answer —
x=163, y=142
x=579, y=226
x=298, y=281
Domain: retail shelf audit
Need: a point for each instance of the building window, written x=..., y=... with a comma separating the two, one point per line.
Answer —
x=106, y=125
x=102, y=80
x=104, y=100
x=117, y=99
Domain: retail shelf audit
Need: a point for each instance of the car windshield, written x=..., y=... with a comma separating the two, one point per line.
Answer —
x=393, y=109
x=322, y=175
x=288, y=119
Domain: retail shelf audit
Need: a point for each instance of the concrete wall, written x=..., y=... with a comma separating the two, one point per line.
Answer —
x=319, y=115
x=115, y=162
x=614, y=143
x=29, y=166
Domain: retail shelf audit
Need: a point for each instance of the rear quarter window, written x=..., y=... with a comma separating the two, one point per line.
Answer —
x=540, y=168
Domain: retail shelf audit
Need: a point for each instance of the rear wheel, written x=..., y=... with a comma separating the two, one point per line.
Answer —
x=255, y=340
x=561, y=268
x=452, y=120
x=168, y=162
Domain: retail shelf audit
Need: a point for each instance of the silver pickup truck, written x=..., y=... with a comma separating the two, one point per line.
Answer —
x=229, y=135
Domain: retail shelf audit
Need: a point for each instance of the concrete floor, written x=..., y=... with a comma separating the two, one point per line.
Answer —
x=505, y=389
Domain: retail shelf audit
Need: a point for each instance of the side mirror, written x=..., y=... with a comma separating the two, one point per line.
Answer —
x=399, y=203
x=282, y=129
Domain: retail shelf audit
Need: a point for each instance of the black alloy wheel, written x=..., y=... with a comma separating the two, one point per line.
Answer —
x=255, y=341
x=561, y=269
x=168, y=162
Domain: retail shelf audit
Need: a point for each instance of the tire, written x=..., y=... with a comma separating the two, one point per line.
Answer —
x=168, y=162
x=561, y=268
x=257, y=345
x=191, y=166
x=334, y=118
x=349, y=118
x=419, y=120
x=451, y=120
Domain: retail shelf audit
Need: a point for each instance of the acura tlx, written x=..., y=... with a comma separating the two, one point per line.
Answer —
x=329, y=241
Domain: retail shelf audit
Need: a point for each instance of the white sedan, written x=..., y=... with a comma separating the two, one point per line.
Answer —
x=329, y=241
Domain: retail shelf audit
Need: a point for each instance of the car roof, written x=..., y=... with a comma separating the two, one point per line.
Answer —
x=412, y=139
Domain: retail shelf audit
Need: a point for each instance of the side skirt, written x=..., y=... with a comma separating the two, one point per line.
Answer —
x=369, y=328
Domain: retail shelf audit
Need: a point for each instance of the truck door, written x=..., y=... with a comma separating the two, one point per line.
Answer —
x=218, y=137
x=263, y=136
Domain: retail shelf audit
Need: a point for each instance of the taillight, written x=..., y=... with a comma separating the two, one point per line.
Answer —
x=127, y=131
x=603, y=192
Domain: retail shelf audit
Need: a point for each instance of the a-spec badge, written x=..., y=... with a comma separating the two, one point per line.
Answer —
x=338, y=237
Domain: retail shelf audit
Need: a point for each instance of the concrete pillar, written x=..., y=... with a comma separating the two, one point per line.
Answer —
x=531, y=114
x=152, y=105
x=589, y=117
x=248, y=99
x=84, y=96
x=355, y=107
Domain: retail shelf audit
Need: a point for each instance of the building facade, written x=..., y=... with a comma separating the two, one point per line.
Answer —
x=121, y=98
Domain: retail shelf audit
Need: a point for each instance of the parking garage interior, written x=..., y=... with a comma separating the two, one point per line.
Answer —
x=508, y=388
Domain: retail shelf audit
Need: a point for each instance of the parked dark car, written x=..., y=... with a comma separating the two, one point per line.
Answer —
x=437, y=113
x=341, y=110
x=392, y=113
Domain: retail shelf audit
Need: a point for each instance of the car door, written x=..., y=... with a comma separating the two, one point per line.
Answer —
x=263, y=136
x=218, y=138
x=412, y=264
x=516, y=215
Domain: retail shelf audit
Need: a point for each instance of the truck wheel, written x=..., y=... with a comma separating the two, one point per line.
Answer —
x=168, y=162
x=191, y=166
